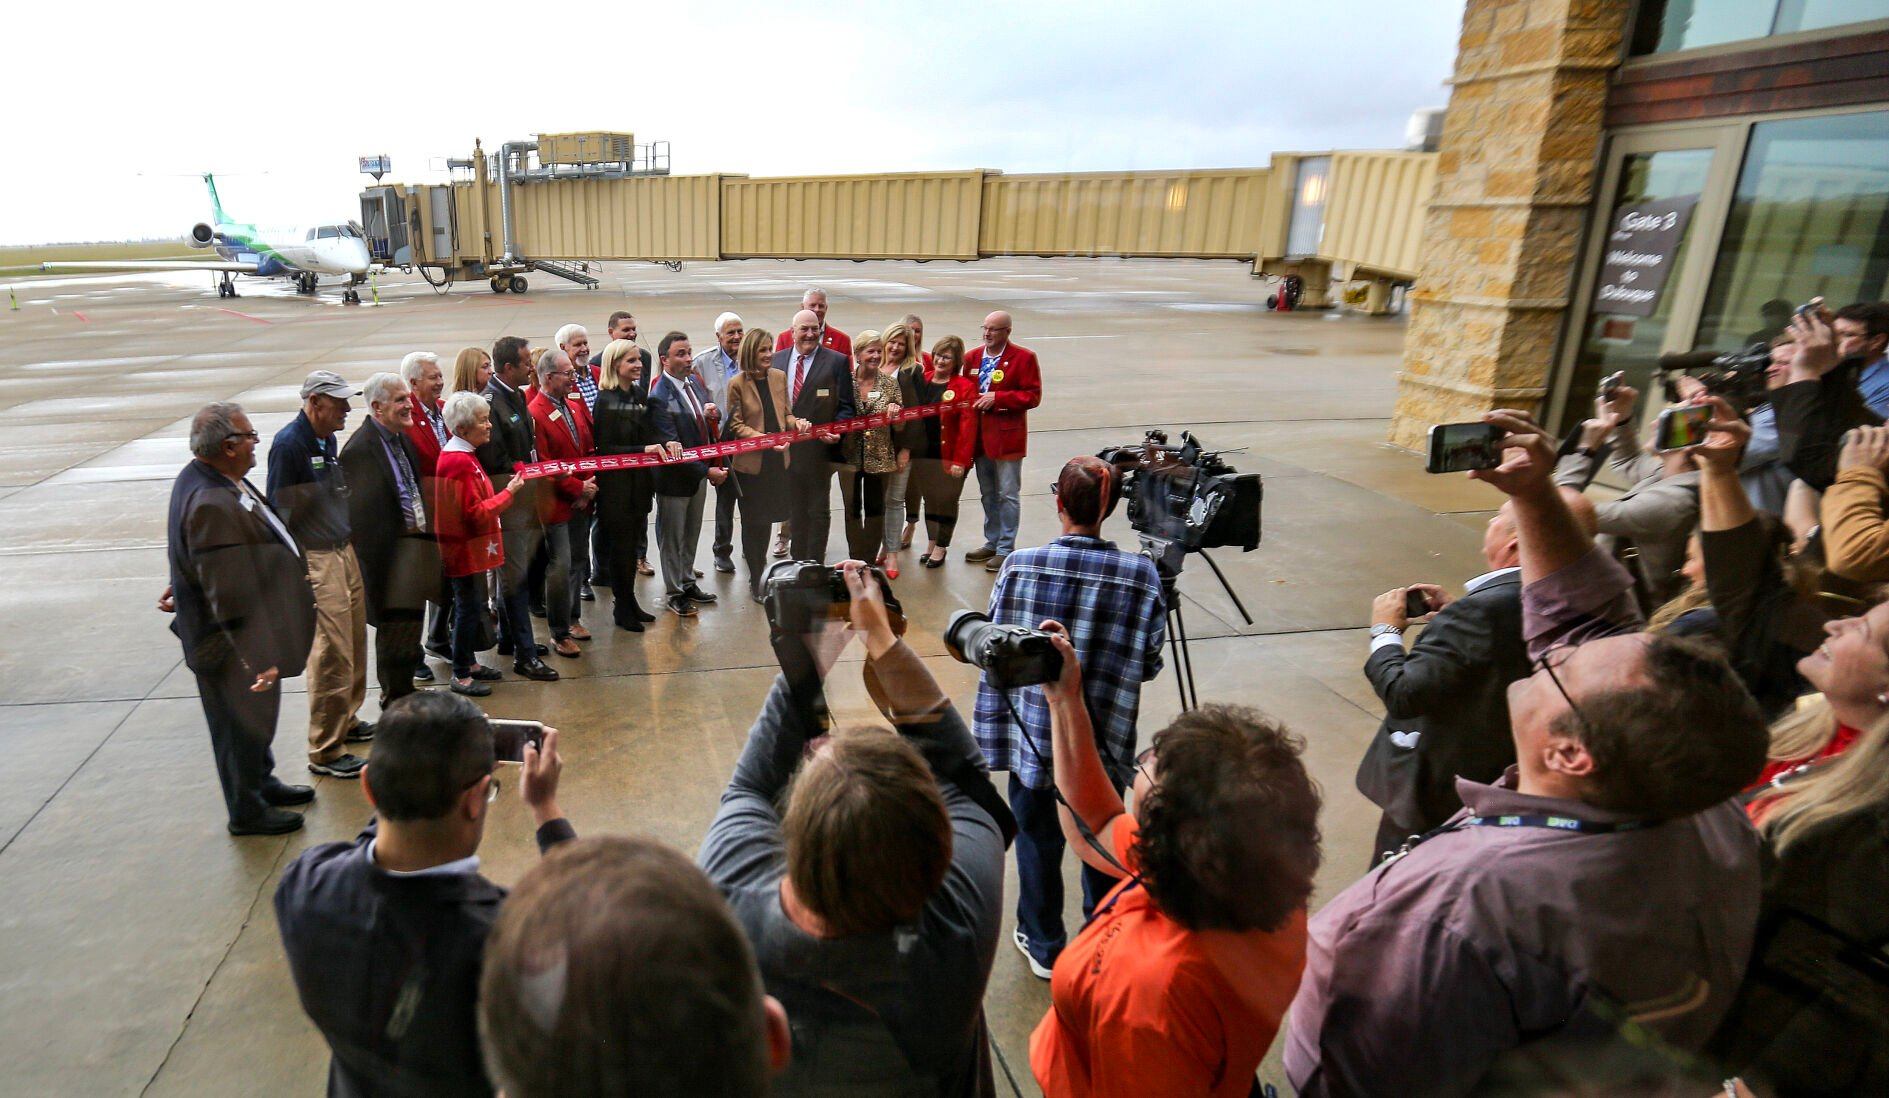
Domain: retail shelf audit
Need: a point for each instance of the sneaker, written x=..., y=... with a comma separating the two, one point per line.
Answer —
x=982, y=552
x=535, y=670
x=725, y=565
x=996, y=563
x=342, y=766
x=780, y=546
x=472, y=688
x=696, y=594
x=482, y=673
x=1037, y=968
x=362, y=732
x=680, y=605
x=422, y=673
x=273, y=821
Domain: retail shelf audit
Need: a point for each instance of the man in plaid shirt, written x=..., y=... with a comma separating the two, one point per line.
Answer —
x=1111, y=602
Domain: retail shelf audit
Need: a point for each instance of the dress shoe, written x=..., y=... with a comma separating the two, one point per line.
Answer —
x=982, y=552
x=343, y=766
x=996, y=563
x=537, y=609
x=631, y=624
x=642, y=615
x=422, y=673
x=273, y=821
x=680, y=606
x=697, y=571
x=696, y=594
x=643, y=568
x=505, y=649
x=362, y=732
x=725, y=566
x=567, y=648
x=472, y=688
x=598, y=579
x=283, y=794
x=929, y=561
x=585, y=593
x=578, y=632
x=482, y=673
x=536, y=671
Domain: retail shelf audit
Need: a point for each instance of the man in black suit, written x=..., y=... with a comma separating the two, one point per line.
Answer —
x=387, y=518
x=245, y=614
x=1446, y=699
x=385, y=935
x=819, y=390
x=678, y=409
x=514, y=442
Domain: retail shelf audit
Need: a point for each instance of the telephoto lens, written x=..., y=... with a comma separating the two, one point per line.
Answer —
x=1009, y=655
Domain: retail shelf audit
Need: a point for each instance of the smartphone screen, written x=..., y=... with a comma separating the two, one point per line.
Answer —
x=509, y=738
x=1415, y=605
x=1681, y=427
x=1456, y=447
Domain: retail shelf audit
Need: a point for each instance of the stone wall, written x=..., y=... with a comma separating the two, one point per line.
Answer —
x=1515, y=180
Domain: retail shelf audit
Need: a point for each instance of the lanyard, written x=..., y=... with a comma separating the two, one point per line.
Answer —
x=1550, y=823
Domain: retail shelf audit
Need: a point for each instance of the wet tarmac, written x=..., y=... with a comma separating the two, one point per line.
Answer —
x=138, y=950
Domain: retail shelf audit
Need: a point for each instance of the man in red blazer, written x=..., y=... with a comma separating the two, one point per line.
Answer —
x=425, y=384
x=1008, y=386
x=814, y=301
x=563, y=432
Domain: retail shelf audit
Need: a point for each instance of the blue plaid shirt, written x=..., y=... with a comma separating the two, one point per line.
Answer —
x=1111, y=602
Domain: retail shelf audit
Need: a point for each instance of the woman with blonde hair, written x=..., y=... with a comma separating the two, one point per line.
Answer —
x=623, y=425
x=871, y=456
x=757, y=405
x=901, y=359
x=472, y=368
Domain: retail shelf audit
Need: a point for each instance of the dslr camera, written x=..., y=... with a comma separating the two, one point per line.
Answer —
x=1182, y=499
x=1009, y=655
x=801, y=596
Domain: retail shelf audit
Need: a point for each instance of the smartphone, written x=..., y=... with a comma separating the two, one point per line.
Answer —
x=510, y=737
x=1610, y=383
x=1415, y=605
x=1681, y=427
x=1811, y=308
x=1455, y=447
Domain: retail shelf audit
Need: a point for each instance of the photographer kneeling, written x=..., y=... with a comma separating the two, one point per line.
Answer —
x=874, y=898
x=1179, y=980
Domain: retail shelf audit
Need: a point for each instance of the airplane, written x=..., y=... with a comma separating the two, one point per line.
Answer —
x=303, y=254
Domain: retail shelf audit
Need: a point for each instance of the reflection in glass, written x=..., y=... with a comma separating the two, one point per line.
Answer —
x=1668, y=25
x=1810, y=218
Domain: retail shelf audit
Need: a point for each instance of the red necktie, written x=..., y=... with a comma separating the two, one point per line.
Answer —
x=800, y=378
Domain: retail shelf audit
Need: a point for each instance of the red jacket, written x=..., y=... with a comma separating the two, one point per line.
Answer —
x=832, y=340
x=1003, y=430
x=554, y=444
x=465, y=515
x=425, y=442
x=957, y=433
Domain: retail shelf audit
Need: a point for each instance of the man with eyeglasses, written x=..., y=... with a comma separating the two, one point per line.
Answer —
x=244, y=612
x=1009, y=384
x=561, y=423
x=309, y=489
x=1605, y=888
x=385, y=934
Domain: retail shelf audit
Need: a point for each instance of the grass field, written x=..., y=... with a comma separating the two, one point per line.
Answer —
x=29, y=254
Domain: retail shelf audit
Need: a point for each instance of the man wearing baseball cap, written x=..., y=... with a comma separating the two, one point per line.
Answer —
x=308, y=489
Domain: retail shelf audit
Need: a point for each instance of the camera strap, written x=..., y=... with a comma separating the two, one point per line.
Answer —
x=1082, y=826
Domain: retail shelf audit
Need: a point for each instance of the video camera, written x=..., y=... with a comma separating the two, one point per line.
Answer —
x=1009, y=655
x=1182, y=499
x=1738, y=376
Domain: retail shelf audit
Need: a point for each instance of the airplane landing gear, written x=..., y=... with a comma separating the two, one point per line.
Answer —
x=226, y=288
x=305, y=284
x=519, y=285
x=350, y=297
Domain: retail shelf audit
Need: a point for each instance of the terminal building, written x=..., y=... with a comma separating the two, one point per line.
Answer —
x=1617, y=180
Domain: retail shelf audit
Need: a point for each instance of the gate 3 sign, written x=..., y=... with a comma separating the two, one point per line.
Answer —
x=1639, y=255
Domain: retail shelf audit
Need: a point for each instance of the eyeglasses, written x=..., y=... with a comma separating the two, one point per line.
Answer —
x=1548, y=661
x=1142, y=760
x=250, y=435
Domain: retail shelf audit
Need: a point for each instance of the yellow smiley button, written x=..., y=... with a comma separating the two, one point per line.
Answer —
x=996, y=376
x=950, y=396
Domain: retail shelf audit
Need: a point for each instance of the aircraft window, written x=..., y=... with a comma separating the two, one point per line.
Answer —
x=352, y=230
x=311, y=235
x=328, y=232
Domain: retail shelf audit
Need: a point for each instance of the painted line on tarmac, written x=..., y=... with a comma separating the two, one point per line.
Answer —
x=83, y=319
x=245, y=316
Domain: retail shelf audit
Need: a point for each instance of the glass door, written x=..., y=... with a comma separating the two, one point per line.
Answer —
x=1646, y=263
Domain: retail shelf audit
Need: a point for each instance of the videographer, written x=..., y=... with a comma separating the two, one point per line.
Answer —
x=1112, y=604
x=1656, y=515
x=384, y=934
x=1822, y=400
x=1178, y=983
x=874, y=896
x=1608, y=880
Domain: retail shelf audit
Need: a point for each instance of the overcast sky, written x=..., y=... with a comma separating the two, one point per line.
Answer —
x=112, y=108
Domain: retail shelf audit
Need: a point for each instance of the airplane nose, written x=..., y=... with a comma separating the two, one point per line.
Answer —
x=358, y=257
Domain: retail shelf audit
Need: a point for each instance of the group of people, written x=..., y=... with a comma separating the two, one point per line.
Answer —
x=1629, y=842
x=424, y=504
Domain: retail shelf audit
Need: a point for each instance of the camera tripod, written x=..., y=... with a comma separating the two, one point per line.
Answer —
x=1177, y=622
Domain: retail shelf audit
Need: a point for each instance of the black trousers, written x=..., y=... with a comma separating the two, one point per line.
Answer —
x=242, y=724
x=863, y=495
x=397, y=652
x=932, y=485
x=810, y=501
x=623, y=503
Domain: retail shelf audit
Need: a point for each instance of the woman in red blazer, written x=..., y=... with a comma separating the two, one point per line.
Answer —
x=465, y=517
x=941, y=449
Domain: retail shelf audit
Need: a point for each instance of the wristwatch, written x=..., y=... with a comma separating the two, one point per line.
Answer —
x=1381, y=629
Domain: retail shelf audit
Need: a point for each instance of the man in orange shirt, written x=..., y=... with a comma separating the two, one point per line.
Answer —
x=1179, y=981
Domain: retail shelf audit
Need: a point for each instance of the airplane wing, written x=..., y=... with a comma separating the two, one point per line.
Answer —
x=136, y=265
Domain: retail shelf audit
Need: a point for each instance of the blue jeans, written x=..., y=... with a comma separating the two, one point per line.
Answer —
x=469, y=597
x=1040, y=873
x=998, y=482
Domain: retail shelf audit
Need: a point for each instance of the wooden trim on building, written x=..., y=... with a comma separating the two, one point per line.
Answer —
x=1821, y=73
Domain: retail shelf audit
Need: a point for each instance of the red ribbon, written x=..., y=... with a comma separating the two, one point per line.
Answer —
x=819, y=432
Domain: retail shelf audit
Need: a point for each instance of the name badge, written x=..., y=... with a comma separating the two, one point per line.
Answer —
x=318, y=463
x=822, y=393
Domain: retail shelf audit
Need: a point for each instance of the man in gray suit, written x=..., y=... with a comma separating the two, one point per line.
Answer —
x=819, y=390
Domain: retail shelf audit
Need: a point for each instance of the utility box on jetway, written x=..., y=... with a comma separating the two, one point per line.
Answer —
x=586, y=148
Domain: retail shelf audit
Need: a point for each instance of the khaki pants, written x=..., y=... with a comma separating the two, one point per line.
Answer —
x=337, y=665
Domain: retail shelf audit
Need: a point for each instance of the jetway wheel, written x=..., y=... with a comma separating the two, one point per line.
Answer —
x=519, y=285
x=498, y=285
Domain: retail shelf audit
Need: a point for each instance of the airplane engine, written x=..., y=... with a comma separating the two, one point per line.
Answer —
x=202, y=235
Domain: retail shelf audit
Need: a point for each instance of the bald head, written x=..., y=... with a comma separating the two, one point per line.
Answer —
x=996, y=331
x=806, y=330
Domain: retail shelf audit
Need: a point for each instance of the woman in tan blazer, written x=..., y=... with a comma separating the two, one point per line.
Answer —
x=757, y=405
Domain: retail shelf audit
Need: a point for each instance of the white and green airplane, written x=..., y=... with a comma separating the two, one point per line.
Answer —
x=304, y=254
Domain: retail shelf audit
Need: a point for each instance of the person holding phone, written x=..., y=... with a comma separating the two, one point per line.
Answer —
x=385, y=934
